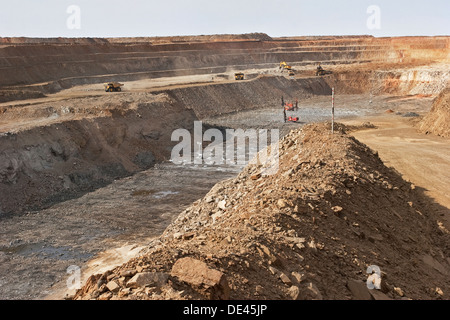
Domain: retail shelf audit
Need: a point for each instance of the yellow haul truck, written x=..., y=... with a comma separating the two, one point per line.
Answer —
x=113, y=86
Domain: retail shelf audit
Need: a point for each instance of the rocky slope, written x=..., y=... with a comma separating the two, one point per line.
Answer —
x=437, y=121
x=310, y=231
x=69, y=156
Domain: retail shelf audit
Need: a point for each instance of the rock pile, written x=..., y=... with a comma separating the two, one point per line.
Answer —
x=310, y=231
x=437, y=121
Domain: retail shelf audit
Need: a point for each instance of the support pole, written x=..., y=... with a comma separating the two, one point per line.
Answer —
x=332, y=111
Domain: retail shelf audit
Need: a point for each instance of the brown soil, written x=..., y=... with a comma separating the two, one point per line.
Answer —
x=437, y=121
x=411, y=153
x=331, y=210
x=39, y=246
x=62, y=136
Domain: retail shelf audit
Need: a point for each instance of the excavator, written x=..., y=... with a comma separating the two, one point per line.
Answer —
x=321, y=72
x=285, y=66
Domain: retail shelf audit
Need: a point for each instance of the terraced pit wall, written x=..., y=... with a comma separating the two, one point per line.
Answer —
x=29, y=67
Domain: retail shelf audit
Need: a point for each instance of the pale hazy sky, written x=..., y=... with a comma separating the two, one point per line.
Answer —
x=115, y=18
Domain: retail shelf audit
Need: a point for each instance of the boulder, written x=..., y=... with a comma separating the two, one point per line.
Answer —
x=359, y=289
x=128, y=273
x=282, y=203
x=150, y=279
x=285, y=279
x=378, y=295
x=399, y=291
x=294, y=292
x=112, y=286
x=197, y=274
x=222, y=205
x=310, y=292
x=299, y=277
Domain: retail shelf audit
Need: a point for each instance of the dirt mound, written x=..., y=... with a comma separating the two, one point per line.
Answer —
x=437, y=121
x=310, y=231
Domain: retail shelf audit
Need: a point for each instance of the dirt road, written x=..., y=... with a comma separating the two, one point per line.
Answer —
x=421, y=159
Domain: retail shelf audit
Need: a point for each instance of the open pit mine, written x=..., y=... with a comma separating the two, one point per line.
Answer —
x=92, y=205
